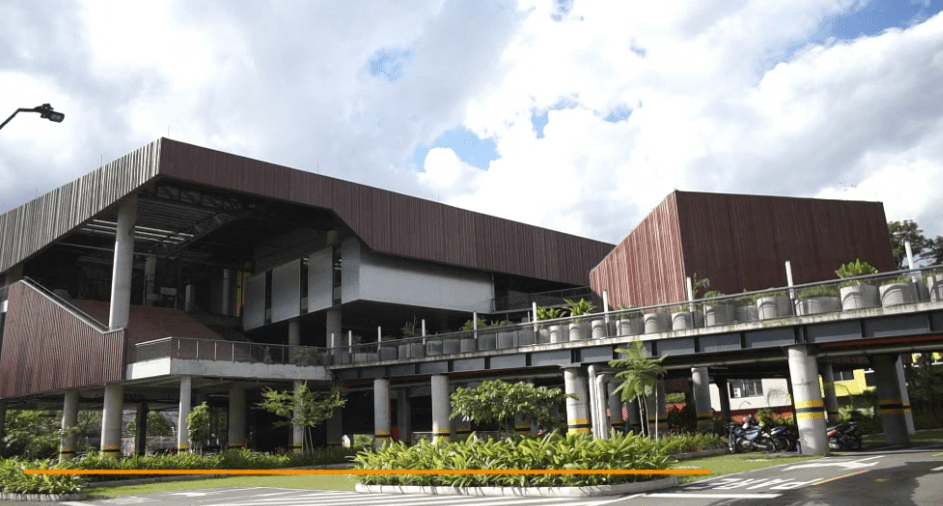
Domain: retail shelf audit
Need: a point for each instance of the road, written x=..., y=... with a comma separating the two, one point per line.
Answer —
x=905, y=477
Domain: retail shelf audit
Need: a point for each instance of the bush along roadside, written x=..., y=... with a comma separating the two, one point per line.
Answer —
x=693, y=442
x=14, y=481
x=552, y=451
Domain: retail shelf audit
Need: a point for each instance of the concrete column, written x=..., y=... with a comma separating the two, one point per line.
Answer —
x=227, y=287
x=596, y=403
x=635, y=417
x=892, y=406
x=724, y=394
x=333, y=326
x=335, y=428
x=121, y=271
x=656, y=405
x=294, y=339
x=189, y=297
x=441, y=409
x=297, y=431
x=150, y=280
x=905, y=398
x=404, y=417
x=616, y=421
x=111, y=420
x=577, y=410
x=70, y=416
x=237, y=418
x=831, y=399
x=140, y=430
x=810, y=415
x=381, y=412
x=701, y=387
x=183, y=428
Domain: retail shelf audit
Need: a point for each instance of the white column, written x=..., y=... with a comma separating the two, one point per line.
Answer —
x=810, y=412
x=183, y=428
x=905, y=398
x=616, y=421
x=403, y=415
x=70, y=415
x=441, y=408
x=577, y=411
x=111, y=420
x=121, y=271
x=237, y=417
x=381, y=412
x=335, y=428
x=831, y=399
x=297, y=431
x=892, y=406
x=701, y=386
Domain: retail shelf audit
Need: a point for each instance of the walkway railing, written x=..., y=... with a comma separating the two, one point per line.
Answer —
x=184, y=348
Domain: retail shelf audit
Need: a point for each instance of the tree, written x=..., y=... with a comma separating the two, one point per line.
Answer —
x=199, y=425
x=32, y=433
x=305, y=407
x=496, y=401
x=922, y=248
x=640, y=374
x=157, y=425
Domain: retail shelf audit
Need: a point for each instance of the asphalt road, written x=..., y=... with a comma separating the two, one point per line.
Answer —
x=910, y=476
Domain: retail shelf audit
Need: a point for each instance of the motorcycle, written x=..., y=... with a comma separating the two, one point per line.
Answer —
x=785, y=437
x=748, y=437
x=844, y=436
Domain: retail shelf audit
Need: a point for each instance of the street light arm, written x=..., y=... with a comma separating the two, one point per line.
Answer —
x=45, y=111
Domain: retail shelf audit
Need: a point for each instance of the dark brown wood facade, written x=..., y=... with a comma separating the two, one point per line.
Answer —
x=46, y=348
x=740, y=242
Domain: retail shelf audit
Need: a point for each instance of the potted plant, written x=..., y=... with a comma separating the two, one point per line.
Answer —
x=934, y=283
x=682, y=318
x=414, y=348
x=628, y=323
x=550, y=333
x=817, y=300
x=745, y=310
x=581, y=308
x=716, y=313
x=657, y=321
x=857, y=294
x=388, y=349
x=506, y=338
x=774, y=304
x=897, y=291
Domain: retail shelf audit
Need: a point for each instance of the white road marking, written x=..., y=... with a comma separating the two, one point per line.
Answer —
x=688, y=495
x=937, y=468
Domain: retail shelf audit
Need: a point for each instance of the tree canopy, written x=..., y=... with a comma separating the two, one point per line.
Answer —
x=496, y=401
x=305, y=407
x=923, y=248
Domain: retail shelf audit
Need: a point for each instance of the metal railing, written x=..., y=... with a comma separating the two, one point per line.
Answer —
x=847, y=294
x=78, y=313
x=183, y=348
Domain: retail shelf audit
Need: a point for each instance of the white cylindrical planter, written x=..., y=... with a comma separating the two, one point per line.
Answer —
x=818, y=305
x=433, y=347
x=682, y=320
x=557, y=334
x=655, y=323
x=716, y=315
x=776, y=306
x=629, y=326
x=746, y=313
x=388, y=351
x=935, y=287
x=896, y=294
x=859, y=297
x=576, y=331
x=506, y=339
x=543, y=335
x=599, y=330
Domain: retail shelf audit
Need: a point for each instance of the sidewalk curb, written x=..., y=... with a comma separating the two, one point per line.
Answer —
x=43, y=497
x=591, y=491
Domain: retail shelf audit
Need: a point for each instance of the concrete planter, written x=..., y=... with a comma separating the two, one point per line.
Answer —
x=543, y=335
x=818, y=305
x=718, y=314
x=776, y=306
x=859, y=297
x=506, y=340
x=360, y=358
x=746, y=313
x=578, y=331
x=433, y=348
x=896, y=294
x=935, y=287
x=656, y=322
x=389, y=352
x=468, y=345
x=559, y=334
x=631, y=326
x=451, y=346
x=682, y=320
x=599, y=329
x=411, y=350
x=526, y=337
x=486, y=342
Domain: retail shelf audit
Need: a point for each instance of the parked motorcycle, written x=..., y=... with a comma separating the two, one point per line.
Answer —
x=844, y=436
x=785, y=437
x=748, y=437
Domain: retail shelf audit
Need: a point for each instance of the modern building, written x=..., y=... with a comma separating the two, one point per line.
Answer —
x=178, y=274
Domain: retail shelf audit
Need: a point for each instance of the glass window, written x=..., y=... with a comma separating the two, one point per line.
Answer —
x=745, y=388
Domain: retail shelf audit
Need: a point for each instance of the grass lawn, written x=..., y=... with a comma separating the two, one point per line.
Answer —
x=720, y=465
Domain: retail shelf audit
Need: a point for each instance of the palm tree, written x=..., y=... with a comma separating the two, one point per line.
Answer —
x=640, y=374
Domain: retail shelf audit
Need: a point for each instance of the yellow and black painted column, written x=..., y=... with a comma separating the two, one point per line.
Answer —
x=577, y=410
x=701, y=387
x=441, y=409
x=828, y=387
x=810, y=409
x=381, y=412
x=891, y=405
x=70, y=415
x=111, y=420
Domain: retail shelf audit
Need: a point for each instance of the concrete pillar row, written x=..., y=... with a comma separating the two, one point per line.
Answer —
x=70, y=416
x=121, y=270
x=441, y=408
x=724, y=395
x=577, y=410
x=701, y=387
x=381, y=412
x=831, y=398
x=297, y=431
x=810, y=412
x=111, y=420
x=237, y=418
x=891, y=405
x=183, y=411
x=905, y=398
x=616, y=420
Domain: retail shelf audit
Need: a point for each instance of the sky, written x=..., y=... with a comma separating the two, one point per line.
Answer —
x=573, y=115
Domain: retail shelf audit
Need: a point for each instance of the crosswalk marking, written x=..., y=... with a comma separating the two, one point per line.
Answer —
x=355, y=499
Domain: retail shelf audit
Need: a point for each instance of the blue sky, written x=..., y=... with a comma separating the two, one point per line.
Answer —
x=575, y=115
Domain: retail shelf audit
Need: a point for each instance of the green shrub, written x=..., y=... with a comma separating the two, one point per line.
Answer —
x=818, y=291
x=552, y=451
x=899, y=279
x=853, y=270
x=695, y=441
x=777, y=293
x=14, y=481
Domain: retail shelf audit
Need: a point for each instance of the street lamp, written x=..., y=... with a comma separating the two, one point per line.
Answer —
x=45, y=111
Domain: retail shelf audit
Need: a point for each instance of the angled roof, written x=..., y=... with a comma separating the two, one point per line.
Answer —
x=385, y=221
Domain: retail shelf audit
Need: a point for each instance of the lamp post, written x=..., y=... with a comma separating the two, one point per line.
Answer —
x=45, y=111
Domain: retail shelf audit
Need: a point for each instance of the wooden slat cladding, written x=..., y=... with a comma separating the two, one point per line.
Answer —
x=648, y=264
x=741, y=242
x=29, y=228
x=398, y=224
x=46, y=348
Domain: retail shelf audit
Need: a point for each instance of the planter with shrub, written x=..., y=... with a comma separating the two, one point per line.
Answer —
x=717, y=313
x=857, y=294
x=818, y=300
x=898, y=291
x=772, y=305
x=628, y=324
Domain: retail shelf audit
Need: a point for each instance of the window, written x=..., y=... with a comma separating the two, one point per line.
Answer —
x=745, y=388
x=844, y=375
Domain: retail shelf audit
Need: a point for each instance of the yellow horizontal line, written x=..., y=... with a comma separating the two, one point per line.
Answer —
x=840, y=477
x=364, y=471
